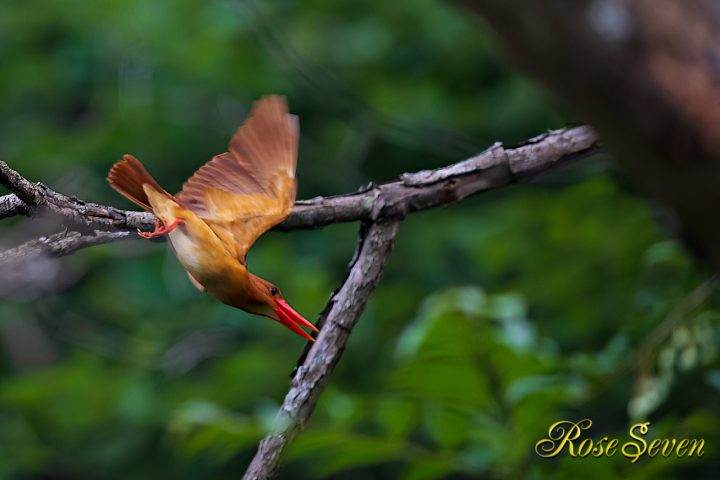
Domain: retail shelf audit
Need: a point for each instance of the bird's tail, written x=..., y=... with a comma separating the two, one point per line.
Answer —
x=128, y=177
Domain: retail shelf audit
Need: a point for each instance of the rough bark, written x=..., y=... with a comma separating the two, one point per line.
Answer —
x=36, y=196
x=11, y=205
x=493, y=168
x=646, y=73
x=337, y=321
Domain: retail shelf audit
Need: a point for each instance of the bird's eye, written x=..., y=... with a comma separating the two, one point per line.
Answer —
x=273, y=291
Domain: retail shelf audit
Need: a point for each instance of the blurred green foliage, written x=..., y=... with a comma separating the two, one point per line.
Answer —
x=555, y=300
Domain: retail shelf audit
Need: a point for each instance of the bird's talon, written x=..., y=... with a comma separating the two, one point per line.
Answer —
x=160, y=230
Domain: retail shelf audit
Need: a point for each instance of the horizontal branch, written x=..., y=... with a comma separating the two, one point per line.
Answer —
x=31, y=268
x=38, y=197
x=495, y=167
x=60, y=244
x=340, y=315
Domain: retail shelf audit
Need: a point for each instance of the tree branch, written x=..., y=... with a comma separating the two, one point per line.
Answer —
x=31, y=269
x=341, y=314
x=36, y=196
x=380, y=208
x=60, y=244
x=495, y=167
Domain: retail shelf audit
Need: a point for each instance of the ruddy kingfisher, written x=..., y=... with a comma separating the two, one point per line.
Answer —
x=224, y=207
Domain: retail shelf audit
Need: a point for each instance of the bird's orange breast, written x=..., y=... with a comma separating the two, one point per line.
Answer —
x=200, y=250
x=205, y=257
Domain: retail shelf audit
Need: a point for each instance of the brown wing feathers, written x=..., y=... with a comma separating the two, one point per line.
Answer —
x=128, y=177
x=263, y=147
x=266, y=144
x=240, y=193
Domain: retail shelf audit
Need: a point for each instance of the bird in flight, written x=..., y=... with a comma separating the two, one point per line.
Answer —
x=224, y=207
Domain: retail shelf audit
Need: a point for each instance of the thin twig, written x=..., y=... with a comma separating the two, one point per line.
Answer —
x=680, y=314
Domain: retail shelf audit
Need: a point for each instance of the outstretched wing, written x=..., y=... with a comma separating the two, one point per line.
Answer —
x=242, y=193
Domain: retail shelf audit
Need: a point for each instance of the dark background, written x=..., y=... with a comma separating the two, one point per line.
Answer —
x=560, y=299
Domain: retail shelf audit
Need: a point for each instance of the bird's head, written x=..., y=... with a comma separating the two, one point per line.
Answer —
x=269, y=302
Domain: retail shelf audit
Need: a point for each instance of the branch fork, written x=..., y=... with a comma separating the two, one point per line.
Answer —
x=379, y=208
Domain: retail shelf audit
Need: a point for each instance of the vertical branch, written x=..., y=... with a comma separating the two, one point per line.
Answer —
x=338, y=319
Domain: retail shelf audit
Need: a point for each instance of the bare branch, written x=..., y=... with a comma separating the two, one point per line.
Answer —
x=25, y=190
x=32, y=268
x=337, y=320
x=59, y=245
x=493, y=168
x=38, y=196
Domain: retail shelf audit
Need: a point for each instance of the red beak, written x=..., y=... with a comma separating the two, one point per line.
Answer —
x=291, y=319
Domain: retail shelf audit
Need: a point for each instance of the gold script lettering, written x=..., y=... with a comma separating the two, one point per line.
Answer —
x=560, y=434
x=696, y=444
x=635, y=450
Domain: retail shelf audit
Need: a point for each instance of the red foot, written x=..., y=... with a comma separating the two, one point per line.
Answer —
x=160, y=230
